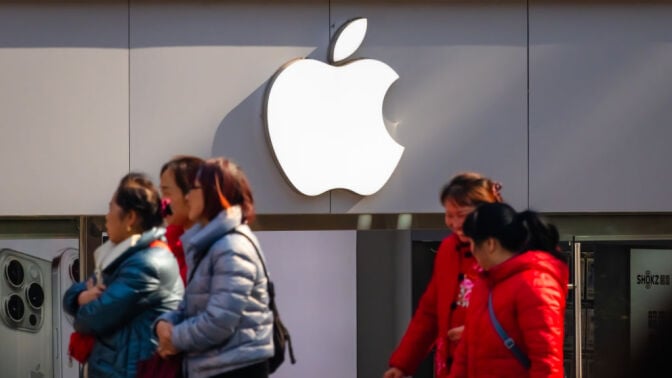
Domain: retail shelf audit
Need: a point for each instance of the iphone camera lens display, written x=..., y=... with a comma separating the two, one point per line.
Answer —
x=14, y=273
x=14, y=308
x=23, y=291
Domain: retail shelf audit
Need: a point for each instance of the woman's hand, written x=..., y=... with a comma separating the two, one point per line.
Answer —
x=92, y=293
x=394, y=373
x=455, y=334
x=164, y=331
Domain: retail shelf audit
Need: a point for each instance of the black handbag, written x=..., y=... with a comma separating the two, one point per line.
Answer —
x=281, y=338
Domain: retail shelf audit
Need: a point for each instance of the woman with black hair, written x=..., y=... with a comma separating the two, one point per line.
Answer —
x=136, y=279
x=515, y=320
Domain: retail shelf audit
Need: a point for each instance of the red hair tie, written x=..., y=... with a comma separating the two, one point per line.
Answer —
x=225, y=203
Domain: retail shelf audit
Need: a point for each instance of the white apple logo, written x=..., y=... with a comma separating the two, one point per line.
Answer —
x=325, y=122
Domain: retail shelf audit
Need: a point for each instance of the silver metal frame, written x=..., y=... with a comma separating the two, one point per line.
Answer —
x=599, y=238
x=578, y=289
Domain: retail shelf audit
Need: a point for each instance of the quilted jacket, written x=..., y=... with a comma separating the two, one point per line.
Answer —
x=142, y=283
x=528, y=296
x=431, y=321
x=224, y=322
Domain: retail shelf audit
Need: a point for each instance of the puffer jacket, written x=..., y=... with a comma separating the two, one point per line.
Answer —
x=528, y=295
x=431, y=321
x=142, y=283
x=224, y=322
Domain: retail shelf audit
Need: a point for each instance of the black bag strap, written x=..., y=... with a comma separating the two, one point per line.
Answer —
x=201, y=256
x=271, y=294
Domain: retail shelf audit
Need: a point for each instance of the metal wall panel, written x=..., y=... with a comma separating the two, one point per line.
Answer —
x=315, y=277
x=64, y=106
x=600, y=90
x=198, y=76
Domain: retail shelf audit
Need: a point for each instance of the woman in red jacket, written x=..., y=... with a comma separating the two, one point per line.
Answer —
x=521, y=297
x=439, y=319
x=176, y=178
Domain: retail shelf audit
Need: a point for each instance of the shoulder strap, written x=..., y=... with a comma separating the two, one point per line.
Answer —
x=256, y=249
x=508, y=342
x=271, y=293
x=198, y=258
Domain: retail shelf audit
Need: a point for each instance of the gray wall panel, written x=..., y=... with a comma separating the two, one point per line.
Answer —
x=460, y=101
x=64, y=107
x=600, y=90
x=315, y=276
x=198, y=76
x=384, y=303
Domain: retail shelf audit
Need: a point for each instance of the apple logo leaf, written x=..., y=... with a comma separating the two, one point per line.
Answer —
x=347, y=39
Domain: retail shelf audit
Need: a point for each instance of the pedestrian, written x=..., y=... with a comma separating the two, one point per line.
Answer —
x=439, y=319
x=224, y=326
x=136, y=279
x=515, y=321
x=176, y=178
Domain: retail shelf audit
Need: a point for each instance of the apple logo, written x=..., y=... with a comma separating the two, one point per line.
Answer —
x=325, y=123
x=36, y=373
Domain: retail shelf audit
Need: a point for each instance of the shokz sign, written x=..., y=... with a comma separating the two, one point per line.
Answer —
x=325, y=121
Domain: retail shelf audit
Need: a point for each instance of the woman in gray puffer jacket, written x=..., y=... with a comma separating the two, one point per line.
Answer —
x=224, y=325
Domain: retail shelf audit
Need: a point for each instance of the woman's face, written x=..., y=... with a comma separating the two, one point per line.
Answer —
x=117, y=223
x=195, y=203
x=178, y=201
x=482, y=252
x=455, y=215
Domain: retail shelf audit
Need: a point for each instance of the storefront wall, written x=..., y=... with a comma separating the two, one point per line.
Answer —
x=565, y=104
x=93, y=90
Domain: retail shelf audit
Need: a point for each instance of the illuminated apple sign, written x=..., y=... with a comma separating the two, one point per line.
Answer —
x=325, y=122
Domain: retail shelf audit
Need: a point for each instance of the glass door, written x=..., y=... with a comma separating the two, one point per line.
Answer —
x=618, y=310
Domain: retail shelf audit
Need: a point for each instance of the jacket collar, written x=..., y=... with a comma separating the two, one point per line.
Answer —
x=202, y=237
x=530, y=260
x=109, y=255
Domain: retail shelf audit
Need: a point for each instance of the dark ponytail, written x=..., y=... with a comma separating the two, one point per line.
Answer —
x=540, y=235
x=516, y=232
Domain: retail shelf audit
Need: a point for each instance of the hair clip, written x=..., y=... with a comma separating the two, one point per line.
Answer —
x=166, y=210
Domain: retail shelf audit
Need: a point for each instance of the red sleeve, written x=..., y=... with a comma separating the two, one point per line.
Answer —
x=459, y=367
x=541, y=305
x=420, y=335
x=423, y=329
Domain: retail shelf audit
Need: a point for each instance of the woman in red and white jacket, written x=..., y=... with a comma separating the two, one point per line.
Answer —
x=521, y=297
x=439, y=319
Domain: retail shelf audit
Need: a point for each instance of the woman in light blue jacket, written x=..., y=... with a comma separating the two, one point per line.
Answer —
x=224, y=326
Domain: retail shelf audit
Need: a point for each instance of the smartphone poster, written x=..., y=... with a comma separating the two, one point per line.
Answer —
x=33, y=328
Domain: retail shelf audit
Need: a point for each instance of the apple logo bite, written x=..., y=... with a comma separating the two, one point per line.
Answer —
x=325, y=122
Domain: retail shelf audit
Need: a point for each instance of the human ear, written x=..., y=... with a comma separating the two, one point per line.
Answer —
x=130, y=220
x=491, y=245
